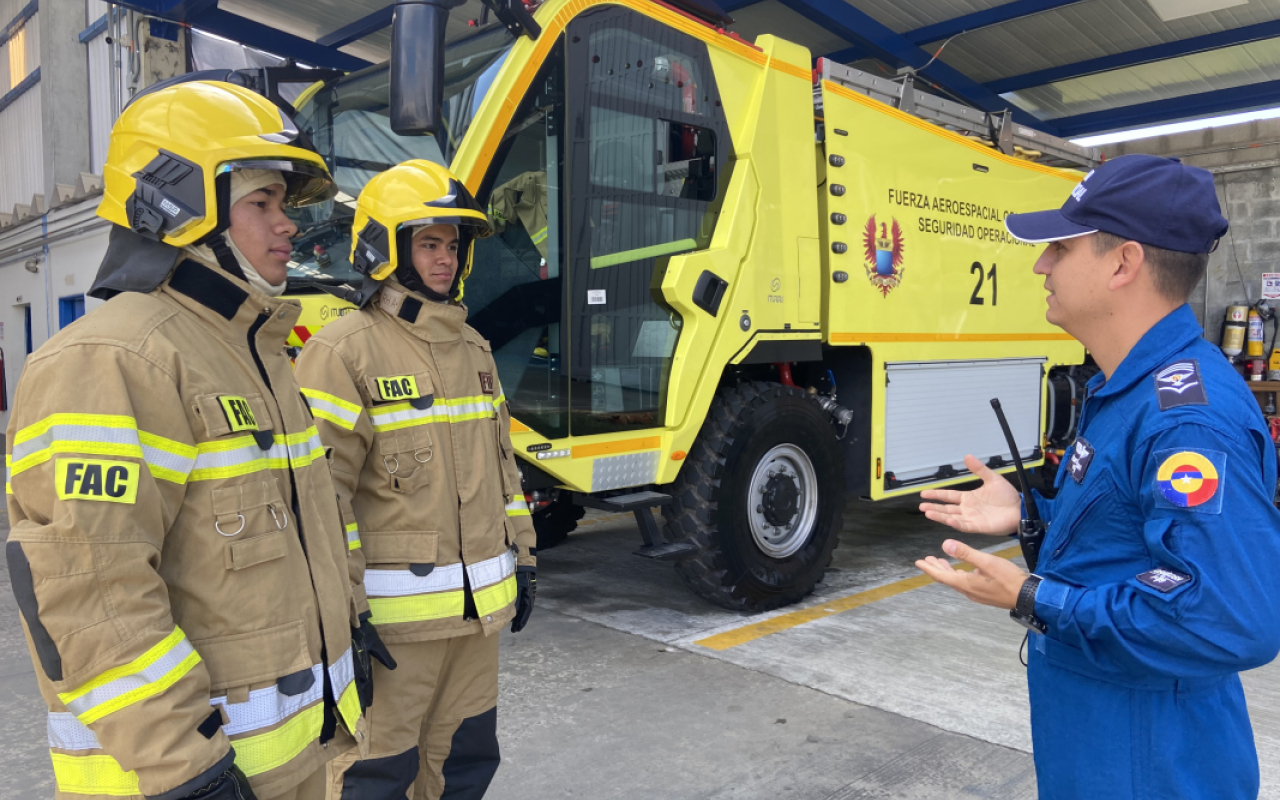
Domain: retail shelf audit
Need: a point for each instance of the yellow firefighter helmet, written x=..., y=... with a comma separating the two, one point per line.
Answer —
x=411, y=195
x=167, y=175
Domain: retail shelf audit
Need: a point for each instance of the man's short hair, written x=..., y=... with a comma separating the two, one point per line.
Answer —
x=1176, y=273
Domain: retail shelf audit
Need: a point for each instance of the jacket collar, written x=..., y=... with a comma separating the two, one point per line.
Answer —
x=428, y=320
x=227, y=304
x=1156, y=347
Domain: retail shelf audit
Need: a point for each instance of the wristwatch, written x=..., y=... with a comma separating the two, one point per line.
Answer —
x=1024, y=610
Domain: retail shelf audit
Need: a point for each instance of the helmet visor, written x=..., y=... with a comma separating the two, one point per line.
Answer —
x=306, y=183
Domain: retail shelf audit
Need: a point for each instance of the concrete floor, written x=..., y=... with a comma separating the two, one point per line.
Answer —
x=871, y=689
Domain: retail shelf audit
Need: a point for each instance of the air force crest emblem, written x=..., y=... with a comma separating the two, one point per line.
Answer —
x=883, y=252
x=1179, y=384
x=1081, y=458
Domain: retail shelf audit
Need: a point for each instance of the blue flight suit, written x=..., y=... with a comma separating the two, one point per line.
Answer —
x=1159, y=568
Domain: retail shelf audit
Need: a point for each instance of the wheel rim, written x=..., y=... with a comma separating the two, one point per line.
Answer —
x=783, y=501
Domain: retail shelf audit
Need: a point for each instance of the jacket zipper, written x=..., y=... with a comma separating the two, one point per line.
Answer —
x=330, y=702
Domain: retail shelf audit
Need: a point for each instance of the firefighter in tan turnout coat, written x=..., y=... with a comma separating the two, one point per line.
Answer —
x=440, y=537
x=176, y=549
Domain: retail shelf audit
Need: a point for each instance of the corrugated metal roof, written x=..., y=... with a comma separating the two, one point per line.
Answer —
x=1075, y=32
x=1082, y=31
x=1203, y=72
x=773, y=17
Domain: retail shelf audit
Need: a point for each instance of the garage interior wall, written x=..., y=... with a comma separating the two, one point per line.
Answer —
x=1245, y=160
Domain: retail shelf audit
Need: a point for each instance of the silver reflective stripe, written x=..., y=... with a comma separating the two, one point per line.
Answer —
x=247, y=454
x=302, y=451
x=331, y=408
x=68, y=733
x=436, y=413
x=267, y=707
x=166, y=460
x=518, y=506
x=128, y=683
x=76, y=433
x=491, y=571
x=402, y=582
x=342, y=673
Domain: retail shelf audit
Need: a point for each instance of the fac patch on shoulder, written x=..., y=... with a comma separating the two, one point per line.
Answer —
x=1190, y=480
x=1179, y=384
x=1163, y=580
x=96, y=479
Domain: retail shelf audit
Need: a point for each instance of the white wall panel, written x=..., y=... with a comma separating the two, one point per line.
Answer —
x=21, y=151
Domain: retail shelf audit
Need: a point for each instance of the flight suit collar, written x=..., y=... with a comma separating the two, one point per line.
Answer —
x=229, y=305
x=1156, y=347
x=428, y=320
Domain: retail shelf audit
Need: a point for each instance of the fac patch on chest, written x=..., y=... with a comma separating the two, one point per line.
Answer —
x=486, y=382
x=96, y=479
x=239, y=415
x=1164, y=580
x=1081, y=457
x=1190, y=480
x=1179, y=384
x=397, y=387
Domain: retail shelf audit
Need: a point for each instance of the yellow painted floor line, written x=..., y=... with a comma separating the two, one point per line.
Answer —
x=749, y=633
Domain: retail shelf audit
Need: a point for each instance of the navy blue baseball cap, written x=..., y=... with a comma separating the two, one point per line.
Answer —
x=1148, y=199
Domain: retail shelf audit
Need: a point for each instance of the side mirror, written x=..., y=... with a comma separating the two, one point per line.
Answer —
x=417, y=64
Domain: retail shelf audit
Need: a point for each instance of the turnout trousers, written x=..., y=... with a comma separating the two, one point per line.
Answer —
x=433, y=725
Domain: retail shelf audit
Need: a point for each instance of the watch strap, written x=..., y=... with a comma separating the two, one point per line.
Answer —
x=1026, y=603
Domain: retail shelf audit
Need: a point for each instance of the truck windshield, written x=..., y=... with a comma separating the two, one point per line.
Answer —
x=348, y=121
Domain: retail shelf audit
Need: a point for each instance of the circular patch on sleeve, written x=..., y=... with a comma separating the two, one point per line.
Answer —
x=1187, y=479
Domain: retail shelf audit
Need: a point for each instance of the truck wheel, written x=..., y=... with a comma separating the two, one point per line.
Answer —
x=761, y=495
x=554, y=523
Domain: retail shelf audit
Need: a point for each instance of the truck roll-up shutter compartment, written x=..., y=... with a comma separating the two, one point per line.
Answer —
x=919, y=447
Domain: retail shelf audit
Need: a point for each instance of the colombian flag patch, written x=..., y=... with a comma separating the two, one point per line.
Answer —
x=1191, y=479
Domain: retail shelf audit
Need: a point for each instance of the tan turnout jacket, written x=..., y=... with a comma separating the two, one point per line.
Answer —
x=408, y=397
x=176, y=549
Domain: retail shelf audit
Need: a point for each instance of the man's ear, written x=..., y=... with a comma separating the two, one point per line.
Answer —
x=1128, y=262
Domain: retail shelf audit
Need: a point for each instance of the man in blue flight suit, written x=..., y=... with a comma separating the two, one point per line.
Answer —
x=1156, y=583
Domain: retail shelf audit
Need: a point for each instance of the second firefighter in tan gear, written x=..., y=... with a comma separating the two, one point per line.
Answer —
x=440, y=537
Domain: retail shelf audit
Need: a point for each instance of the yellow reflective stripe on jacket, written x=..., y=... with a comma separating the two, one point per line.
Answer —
x=353, y=536
x=8, y=487
x=403, y=415
x=494, y=598
x=493, y=583
x=104, y=435
x=415, y=608
x=266, y=751
x=97, y=774
x=518, y=508
x=342, y=675
x=228, y=458
x=332, y=408
x=147, y=675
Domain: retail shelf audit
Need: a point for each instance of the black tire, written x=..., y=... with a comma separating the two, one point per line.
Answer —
x=711, y=510
x=554, y=523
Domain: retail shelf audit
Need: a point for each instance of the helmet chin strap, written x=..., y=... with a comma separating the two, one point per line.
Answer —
x=226, y=259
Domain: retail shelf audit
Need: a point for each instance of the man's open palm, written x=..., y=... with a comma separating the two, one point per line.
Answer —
x=994, y=508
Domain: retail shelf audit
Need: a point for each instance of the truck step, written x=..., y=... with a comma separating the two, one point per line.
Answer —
x=667, y=552
x=623, y=502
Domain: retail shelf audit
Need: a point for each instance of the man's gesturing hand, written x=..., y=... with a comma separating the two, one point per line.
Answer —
x=995, y=507
x=993, y=582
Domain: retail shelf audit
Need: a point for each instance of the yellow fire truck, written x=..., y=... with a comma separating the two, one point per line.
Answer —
x=724, y=284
